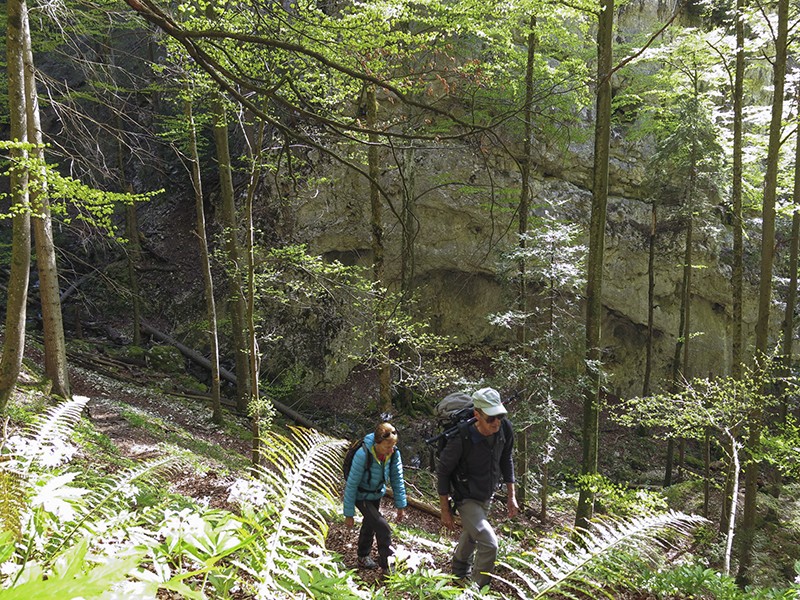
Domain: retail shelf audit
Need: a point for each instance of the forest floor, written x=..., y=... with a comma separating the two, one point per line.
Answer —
x=129, y=406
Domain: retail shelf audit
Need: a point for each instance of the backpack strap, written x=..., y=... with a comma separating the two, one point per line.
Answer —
x=459, y=479
x=367, y=467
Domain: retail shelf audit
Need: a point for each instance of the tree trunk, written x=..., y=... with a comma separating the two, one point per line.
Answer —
x=680, y=361
x=55, y=346
x=134, y=253
x=256, y=145
x=730, y=525
x=737, y=275
x=384, y=371
x=410, y=223
x=134, y=259
x=205, y=267
x=651, y=286
x=706, y=472
x=791, y=294
x=407, y=255
x=236, y=297
x=14, y=345
x=522, y=290
x=594, y=285
x=765, y=287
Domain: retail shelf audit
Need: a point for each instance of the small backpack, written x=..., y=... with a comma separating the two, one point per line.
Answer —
x=355, y=445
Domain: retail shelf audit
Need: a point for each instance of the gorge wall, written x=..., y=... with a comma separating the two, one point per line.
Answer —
x=464, y=227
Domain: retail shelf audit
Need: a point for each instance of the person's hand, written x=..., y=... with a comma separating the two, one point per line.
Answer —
x=447, y=519
x=513, y=507
x=349, y=522
x=401, y=512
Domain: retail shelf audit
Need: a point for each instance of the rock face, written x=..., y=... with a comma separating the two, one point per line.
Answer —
x=464, y=211
x=465, y=220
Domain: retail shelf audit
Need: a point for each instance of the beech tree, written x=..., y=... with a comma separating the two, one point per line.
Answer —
x=16, y=307
x=754, y=421
x=721, y=403
x=55, y=349
x=594, y=270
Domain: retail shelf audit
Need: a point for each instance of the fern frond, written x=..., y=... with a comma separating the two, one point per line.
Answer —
x=51, y=429
x=301, y=474
x=563, y=565
x=42, y=445
x=111, y=496
x=12, y=500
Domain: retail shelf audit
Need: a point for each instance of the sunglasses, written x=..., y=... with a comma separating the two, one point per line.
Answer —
x=387, y=434
x=491, y=419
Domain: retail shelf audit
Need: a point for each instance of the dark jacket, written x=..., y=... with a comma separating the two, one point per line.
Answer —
x=362, y=485
x=487, y=461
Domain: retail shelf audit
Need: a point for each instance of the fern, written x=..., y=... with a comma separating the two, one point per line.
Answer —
x=43, y=447
x=51, y=523
x=105, y=501
x=584, y=563
x=52, y=429
x=298, y=480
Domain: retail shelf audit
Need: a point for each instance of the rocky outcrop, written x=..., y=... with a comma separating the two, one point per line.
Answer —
x=465, y=215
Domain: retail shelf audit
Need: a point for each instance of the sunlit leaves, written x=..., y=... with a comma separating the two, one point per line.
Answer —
x=69, y=198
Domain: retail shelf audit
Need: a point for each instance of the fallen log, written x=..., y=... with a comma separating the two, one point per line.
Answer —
x=223, y=373
x=423, y=506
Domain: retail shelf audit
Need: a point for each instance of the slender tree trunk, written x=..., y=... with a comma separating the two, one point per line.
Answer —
x=706, y=472
x=205, y=266
x=260, y=417
x=651, y=286
x=134, y=253
x=410, y=223
x=522, y=290
x=731, y=524
x=737, y=275
x=237, y=301
x=765, y=288
x=384, y=374
x=134, y=259
x=55, y=346
x=680, y=361
x=594, y=285
x=407, y=255
x=669, y=462
x=134, y=248
x=791, y=295
x=14, y=345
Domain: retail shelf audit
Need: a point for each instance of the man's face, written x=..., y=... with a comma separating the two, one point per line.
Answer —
x=487, y=425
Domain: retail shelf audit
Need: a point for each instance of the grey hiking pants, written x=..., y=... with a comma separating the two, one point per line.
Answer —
x=477, y=548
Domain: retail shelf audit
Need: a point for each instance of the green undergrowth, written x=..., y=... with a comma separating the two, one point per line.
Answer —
x=111, y=522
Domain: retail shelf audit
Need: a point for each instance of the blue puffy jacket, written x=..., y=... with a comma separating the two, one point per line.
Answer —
x=361, y=486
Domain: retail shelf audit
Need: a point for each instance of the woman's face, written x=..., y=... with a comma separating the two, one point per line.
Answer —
x=386, y=446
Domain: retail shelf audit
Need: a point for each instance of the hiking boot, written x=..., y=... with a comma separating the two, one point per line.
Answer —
x=366, y=562
x=386, y=571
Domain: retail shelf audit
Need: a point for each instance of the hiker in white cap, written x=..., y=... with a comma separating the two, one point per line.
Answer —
x=470, y=469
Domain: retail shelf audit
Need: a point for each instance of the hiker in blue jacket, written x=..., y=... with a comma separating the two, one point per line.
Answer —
x=377, y=462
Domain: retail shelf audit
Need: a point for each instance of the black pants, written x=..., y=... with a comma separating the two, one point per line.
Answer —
x=374, y=526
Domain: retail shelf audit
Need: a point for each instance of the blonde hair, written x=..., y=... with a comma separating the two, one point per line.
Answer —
x=385, y=431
